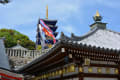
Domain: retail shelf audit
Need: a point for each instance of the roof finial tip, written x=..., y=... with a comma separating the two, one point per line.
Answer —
x=97, y=13
x=97, y=17
x=47, y=12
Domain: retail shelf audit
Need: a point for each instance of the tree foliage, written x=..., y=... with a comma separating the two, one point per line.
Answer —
x=12, y=36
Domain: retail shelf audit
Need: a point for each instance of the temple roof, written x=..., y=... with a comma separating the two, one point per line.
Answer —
x=4, y=63
x=18, y=46
x=97, y=37
x=50, y=22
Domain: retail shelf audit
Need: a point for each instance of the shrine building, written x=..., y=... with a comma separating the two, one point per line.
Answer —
x=93, y=56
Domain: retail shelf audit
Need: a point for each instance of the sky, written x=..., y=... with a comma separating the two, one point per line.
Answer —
x=73, y=16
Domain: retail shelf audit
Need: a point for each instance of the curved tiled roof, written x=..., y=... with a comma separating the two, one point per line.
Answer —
x=97, y=37
x=74, y=37
x=103, y=38
x=4, y=63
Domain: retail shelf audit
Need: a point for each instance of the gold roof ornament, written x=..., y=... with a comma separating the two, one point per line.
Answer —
x=90, y=69
x=72, y=68
x=60, y=72
x=116, y=71
x=97, y=13
x=47, y=12
x=80, y=69
x=87, y=61
x=99, y=70
x=97, y=17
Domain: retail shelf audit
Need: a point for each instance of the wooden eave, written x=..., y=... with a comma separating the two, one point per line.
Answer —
x=53, y=55
x=94, y=52
x=81, y=51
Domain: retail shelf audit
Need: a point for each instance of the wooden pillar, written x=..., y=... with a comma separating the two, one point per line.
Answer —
x=119, y=72
x=80, y=72
x=81, y=77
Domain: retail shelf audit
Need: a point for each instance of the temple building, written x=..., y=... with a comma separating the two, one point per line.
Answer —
x=6, y=73
x=52, y=25
x=93, y=56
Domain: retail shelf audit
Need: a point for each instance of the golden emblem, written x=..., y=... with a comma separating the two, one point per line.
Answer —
x=89, y=69
x=99, y=70
x=80, y=69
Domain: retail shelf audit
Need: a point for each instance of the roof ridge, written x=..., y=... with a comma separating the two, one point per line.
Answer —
x=113, y=31
x=74, y=37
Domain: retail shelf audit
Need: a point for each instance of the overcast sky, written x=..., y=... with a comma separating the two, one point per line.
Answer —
x=74, y=16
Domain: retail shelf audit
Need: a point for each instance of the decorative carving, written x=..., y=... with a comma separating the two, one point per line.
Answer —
x=99, y=70
x=107, y=70
x=89, y=69
x=116, y=71
x=80, y=69
x=87, y=61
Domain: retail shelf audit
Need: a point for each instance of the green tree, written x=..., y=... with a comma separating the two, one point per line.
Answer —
x=12, y=36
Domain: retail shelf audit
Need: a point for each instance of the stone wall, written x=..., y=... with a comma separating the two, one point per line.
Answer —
x=19, y=58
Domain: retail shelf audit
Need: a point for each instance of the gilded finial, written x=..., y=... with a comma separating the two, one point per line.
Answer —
x=97, y=13
x=97, y=17
x=47, y=12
